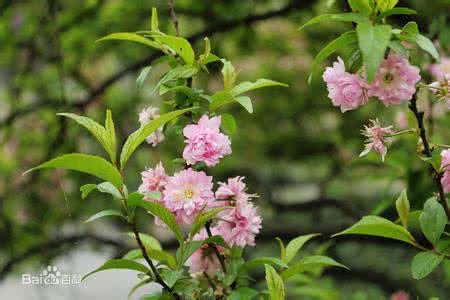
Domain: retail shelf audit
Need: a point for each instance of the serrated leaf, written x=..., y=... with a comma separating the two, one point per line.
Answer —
x=180, y=45
x=131, y=37
x=274, y=283
x=87, y=189
x=402, y=206
x=373, y=41
x=105, y=213
x=295, y=245
x=424, y=263
x=247, y=86
x=345, y=17
x=158, y=210
x=377, y=226
x=119, y=264
x=137, y=137
x=433, y=220
x=310, y=263
x=85, y=163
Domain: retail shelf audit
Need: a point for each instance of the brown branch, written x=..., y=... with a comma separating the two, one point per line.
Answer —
x=173, y=16
x=216, y=251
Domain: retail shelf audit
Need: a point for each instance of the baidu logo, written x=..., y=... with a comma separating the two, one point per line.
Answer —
x=51, y=276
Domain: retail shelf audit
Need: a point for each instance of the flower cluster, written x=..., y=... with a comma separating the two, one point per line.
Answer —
x=441, y=73
x=395, y=82
x=188, y=193
x=147, y=115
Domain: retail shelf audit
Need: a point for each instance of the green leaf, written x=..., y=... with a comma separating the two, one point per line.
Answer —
x=108, y=188
x=98, y=131
x=282, y=249
x=424, y=263
x=295, y=245
x=274, y=283
x=373, y=41
x=361, y=6
x=384, y=5
x=132, y=37
x=345, y=17
x=158, y=210
x=427, y=45
x=85, y=163
x=310, y=263
x=247, y=86
x=110, y=130
x=433, y=220
x=120, y=264
x=133, y=254
x=148, y=241
x=203, y=218
x=229, y=75
x=343, y=40
x=186, y=250
x=410, y=33
x=180, y=72
x=434, y=161
x=443, y=246
x=142, y=76
x=163, y=257
x=243, y=293
x=171, y=277
x=180, y=45
x=137, y=286
x=87, y=189
x=228, y=123
x=259, y=261
x=398, y=48
x=377, y=226
x=221, y=98
x=402, y=206
x=246, y=102
x=396, y=11
x=105, y=213
x=137, y=137
x=154, y=21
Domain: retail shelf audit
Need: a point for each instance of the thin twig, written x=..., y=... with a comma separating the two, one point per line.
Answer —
x=173, y=16
x=216, y=251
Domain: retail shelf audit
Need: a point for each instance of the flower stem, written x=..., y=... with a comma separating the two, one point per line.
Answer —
x=216, y=251
x=428, y=151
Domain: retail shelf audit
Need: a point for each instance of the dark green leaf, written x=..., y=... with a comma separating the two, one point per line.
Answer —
x=243, y=293
x=396, y=11
x=259, y=261
x=203, y=218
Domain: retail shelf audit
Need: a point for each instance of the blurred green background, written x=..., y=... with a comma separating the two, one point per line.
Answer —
x=297, y=151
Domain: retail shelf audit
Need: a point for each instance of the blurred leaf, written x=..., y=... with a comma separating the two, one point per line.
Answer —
x=137, y=286
x=424, y=263
x=154, y=26
x=142, y=76
x=396, y=11
x=361, y=6
x=105, y=213
x=229, y=75
x=247, y=86
x=131, y=37
x=87, y=189
x=120, y=264
x=274, y=283
x=310, y=263
x=228, y=123
x=345, y=17
x=427, y=45
x=402, y=206
x=243, y=293
x=85, y=163
x=186, y=250
x=384, y=5
x=433, y=220
x=259, y=261
x=170, y=277
x=295, y=245
x=246, y=102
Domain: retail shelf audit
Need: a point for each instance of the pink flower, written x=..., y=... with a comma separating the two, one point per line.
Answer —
x=204, y=259
x=239, y=225
x=395, y=80
x=400, y=295
x=445, y=165
x=376, y=138
x=188, y=193
x=153, y=180
x=205, y=142
x=147, y=115
x=441, y=89
x=344, y=89
x=441, y=71
x=234, y=189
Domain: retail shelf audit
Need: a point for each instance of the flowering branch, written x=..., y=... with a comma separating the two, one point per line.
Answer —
x=216, y=251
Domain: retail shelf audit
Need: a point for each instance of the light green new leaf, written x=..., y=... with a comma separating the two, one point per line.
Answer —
x=377, y=226
x=282, y=249
x=361, y=6
x=148, y=241
x=310, y=263
x=97, y=130
x=343, y=40
x=87, y=189
x=396, y=11
x=424, y=263
x=120, y=264
x=275, y=284
x=108, y=188
x=259, y=261
x=246, y=102
x=373, y=41
x=203, y=218
x=427, y=45
x=105, y=213
x=229, y=75
x=295, y=245
x=180, y=45
x=247, y=86
x=132, y=37
x=402, y=206
x=384, y=5
x=85, y=163
x=111, y=132
x=154, y=26
x=137, y=137
x=433, y=220
x=346, y=17
x=158, y=210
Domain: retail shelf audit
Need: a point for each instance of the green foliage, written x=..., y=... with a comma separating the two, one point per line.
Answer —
x=310, y=263
x=120, y=264
x=424, y=263
x=274, y=283
x=295, y=245
x=402, y=206
x=105, y=213
x=433, y=220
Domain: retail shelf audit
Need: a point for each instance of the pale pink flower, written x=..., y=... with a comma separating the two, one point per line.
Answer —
x=239, y=225
x=445, y=165
x=147, y=115
x=400, y=295
x=376, y=138
x=234, y=189
x=187, y=193
x=205, y=142
x=441, y=89
x=344, y=89
x=153, y=180
x=441, y=70
x=401, y=120
x=395, y=80
x=204, y=259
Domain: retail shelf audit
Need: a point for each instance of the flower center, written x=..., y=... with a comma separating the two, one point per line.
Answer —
x=189, y=193
x=388, y=77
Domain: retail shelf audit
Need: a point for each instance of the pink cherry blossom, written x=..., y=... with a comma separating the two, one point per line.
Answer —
x=239, y=225
x=395, y=80
x=400, y=295
x=445, y=165
x=441, y=89
x=205, y=142
x=234, y=189
x=187, y=193
x=147, y=115
x=153, y=180
x=344, y=89
x=204, y=259
x=441, y=70
x=376, y=138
